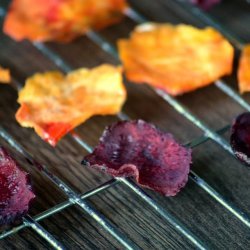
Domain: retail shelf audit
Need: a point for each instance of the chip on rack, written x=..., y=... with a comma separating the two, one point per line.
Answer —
x=138, y=149
x=244, y=70
x=15, y=189
x=53, y=104
x=60, y=20
x=176, y=59
x=240, y=137
x=4, y=75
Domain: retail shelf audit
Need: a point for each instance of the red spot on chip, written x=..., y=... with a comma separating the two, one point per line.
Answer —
x=138, y=149
x=15, y=189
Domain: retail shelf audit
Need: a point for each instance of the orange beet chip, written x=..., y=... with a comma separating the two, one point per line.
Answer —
x=4, y=75
x=54, y=104
x=60, y=20
x=244, y=70
x=176, y=59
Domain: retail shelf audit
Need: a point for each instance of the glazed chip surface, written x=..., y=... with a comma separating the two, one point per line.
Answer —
x=244, y=70
x=138, y=149
x=60, y=20
x=16, y=192
x=54, y=104
x=176, y=59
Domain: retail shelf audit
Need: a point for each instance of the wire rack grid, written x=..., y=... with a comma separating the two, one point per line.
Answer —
x=79, y=199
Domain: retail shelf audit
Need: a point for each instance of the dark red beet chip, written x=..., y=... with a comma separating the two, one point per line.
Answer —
x=240, y=137
x=138, y=149
x=205, y=4
x=15, y=189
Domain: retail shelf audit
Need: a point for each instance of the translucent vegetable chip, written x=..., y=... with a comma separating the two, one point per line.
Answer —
x=177, y=58
x=60, y=20
x=15, y=189
x=54, y=104
x=4, y=75
x=240, y=137
x=138, y=149
x=244, y=70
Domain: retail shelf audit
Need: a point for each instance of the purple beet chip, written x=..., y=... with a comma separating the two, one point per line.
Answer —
x=138, y=149
x=205, y=4
x=240, y=137
x=15, y=189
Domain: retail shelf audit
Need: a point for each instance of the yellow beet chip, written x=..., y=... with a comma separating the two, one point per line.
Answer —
x=244, y=70
x=177, y=58
x=53, y=104
x=60, y=20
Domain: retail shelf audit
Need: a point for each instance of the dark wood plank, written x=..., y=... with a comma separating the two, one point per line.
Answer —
x=193, y=207
x=236, y=17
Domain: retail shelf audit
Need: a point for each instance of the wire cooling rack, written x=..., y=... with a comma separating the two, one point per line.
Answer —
x=75, y=198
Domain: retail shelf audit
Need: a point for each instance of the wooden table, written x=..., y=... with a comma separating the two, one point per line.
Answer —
x=214, y=225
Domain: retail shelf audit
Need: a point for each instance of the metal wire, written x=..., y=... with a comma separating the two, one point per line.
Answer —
x=241, y=216
x=196, y=179
x=137, y=17
x=238, y=43
x=109, y=48
x=30, y=222
x=161, y=211
x=73, y=197
x=177, y=225
x=66, y=68
x=94, y=191
x=57, y=60
x=176, y=105
x=205, y=186
x=191, y=117
x=208, y=132
x=180, y=108
x=193, y=177
x=58, y=208
x=102, y=187
x=166, y=215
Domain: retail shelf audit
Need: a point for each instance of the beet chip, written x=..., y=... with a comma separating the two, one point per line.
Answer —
x=15, y=189
x=175, y=58
x=54, y=104
x=244, y=70
x=205, y=4
x=60, y=20
x=4, y=75
x=240, y=137
x=138, y=149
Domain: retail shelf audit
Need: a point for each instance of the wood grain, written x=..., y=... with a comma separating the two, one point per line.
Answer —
x=215, y=226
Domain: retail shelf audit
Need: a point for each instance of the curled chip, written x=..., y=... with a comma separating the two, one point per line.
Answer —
x=15, y=189
x=244, y=70
x=4, y=75
x=54, y=104
x=176, y=59
x=138, y=149
x=240, y=137
x=60, y=20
